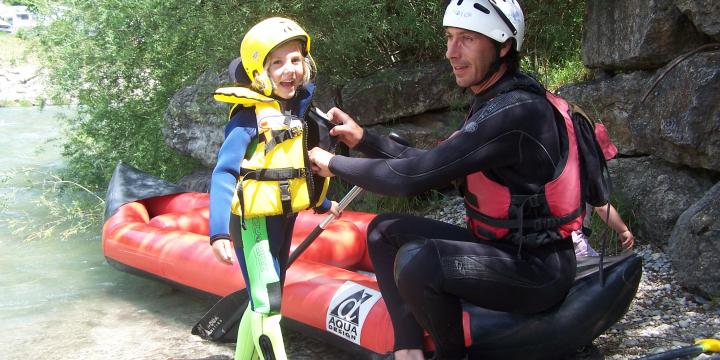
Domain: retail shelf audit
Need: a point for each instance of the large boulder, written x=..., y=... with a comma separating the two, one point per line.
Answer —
x=426, y=130
x=400, y=92
x=611, y=101
x=705, y=14
x=695, y=245
x=657, y=193
x=194, y=121
x=680, y=118
x=636, y=34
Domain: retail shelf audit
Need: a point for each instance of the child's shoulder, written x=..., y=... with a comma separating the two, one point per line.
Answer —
x=241, y=118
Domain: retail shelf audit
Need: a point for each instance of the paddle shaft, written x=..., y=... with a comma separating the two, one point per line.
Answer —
x=701, y=346
x=349, y=197
x=691, y=350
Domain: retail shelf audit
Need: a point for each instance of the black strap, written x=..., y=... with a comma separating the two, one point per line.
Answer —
x=241, y=200
x=272, y=174
x=537, y=224
x=275, y=137
x=285, y=198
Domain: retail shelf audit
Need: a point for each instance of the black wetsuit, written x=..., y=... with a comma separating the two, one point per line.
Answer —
x=513, y=135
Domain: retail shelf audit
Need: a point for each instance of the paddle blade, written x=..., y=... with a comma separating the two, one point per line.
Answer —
x=220, y=323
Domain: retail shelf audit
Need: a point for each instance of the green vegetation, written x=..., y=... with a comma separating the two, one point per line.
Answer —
x=67, y=207
x=123, y=61
x=599, y=230
x=553, y=38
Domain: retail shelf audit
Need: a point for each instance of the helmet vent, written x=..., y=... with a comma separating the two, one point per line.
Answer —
x=481, y=8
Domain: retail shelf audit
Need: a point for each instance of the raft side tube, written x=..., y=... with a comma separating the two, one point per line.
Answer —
x=588, y=310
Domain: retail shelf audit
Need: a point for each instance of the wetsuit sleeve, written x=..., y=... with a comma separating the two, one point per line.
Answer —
x=514, y=136
x=324, y=207
x=224, y=177
x=376, y=146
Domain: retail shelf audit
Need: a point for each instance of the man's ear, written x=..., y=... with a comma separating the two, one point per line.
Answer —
x=505, y=48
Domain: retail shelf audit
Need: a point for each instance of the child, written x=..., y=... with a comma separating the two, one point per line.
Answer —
x=261, y=179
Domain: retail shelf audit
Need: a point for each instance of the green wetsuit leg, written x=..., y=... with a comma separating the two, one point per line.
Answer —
x=245, y=346
x=265, y=290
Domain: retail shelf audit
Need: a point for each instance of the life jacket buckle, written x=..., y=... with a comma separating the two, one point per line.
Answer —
x=534, y=200
x=542, y=224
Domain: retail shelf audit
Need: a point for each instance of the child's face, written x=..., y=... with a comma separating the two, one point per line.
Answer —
x=285, y=67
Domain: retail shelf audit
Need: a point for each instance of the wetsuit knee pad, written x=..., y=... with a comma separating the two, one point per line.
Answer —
x=405, y=255
x=267, y=336
x=418, y=267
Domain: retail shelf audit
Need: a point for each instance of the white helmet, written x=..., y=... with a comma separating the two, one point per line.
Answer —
x=499, y=20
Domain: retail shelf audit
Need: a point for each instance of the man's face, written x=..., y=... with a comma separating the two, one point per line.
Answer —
x=470, y=55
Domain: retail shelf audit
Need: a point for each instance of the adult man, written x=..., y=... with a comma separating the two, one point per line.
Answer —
x=516, y=158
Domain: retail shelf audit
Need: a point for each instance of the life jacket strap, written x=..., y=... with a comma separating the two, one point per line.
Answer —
x=282, y=176
x=275, y=137
x=272, y=174
x=535, y=225
x=285, y=198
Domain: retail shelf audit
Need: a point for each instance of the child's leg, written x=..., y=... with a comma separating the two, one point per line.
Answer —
x=265, y=290
x=245, y=346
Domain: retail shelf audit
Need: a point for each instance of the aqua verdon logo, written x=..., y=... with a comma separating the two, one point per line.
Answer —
x=349, y=308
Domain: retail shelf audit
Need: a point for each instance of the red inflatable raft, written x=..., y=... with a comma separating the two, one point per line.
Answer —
x=154, y=229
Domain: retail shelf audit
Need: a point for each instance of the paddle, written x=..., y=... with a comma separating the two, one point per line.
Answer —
x=701, y=346
x=218, y=324
x=347, y=199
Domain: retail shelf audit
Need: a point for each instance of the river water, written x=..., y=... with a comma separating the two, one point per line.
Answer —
x=59, y=298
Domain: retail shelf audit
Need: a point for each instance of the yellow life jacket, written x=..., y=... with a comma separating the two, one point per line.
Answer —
x=275, y=176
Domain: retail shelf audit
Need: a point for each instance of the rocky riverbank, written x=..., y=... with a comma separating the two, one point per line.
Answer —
x=23, y=81
x=23, y=85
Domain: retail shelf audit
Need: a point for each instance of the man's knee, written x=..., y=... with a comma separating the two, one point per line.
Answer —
x=416, y=263
x=377, y=228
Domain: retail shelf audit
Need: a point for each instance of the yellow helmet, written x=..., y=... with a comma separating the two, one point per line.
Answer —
x=260, y=40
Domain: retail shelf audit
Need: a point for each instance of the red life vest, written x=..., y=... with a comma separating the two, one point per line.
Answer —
x=492, y=211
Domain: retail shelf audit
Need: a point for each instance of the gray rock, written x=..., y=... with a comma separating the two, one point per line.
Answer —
x=198, y=181
x=705, y=14
x=424, y=130
x=194, y=120
x=657, y=193
x=636, y=34
x=680, y=118
x=611, y=100
x=400, y=92
x=695, y=245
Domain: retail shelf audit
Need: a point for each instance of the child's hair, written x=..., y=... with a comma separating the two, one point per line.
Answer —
x=309, y=66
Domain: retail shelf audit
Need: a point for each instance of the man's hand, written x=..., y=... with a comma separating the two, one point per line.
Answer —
x=321, y=161
x=223, y=250
x=347, y=130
